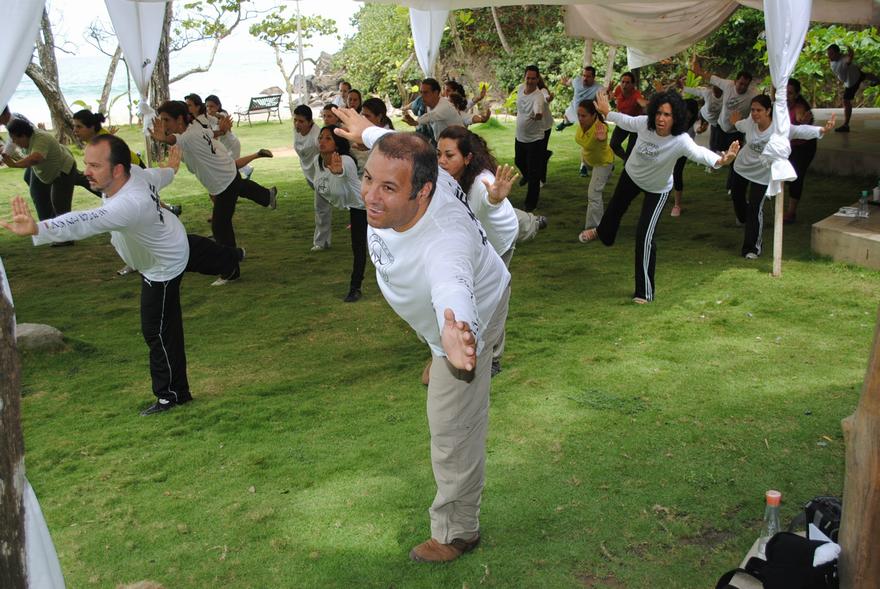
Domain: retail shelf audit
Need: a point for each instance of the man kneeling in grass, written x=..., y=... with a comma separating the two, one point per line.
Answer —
x=437, y=270
x=148, y=239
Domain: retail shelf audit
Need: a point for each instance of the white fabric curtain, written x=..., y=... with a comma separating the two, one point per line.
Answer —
x=786, y=23
x=138, y=26
x=20, y=25
x=427, y=31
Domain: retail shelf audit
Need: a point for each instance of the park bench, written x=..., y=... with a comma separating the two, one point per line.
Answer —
x=262, y=104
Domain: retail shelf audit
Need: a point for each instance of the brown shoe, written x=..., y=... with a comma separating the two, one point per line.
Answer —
x=434, y=551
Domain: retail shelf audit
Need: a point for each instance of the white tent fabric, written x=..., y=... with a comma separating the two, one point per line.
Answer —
x=786, y=27
x=138, y=26
x=20, y=25
x=427, y=31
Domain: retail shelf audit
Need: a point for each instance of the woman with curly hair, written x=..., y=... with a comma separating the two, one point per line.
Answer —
x=661, y=139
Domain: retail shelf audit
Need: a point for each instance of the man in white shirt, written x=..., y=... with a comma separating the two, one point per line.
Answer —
x=439, y=273
x=585, y=88
x=530, y=153
x=305, y=143
x=852, y=77
x=441, y=113
x=150, y=240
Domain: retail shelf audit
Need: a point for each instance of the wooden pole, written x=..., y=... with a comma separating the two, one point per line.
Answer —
x=860, y=524
x=12, y=481
x=777, y=234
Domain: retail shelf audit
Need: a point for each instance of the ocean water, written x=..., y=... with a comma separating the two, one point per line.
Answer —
x=240, y=70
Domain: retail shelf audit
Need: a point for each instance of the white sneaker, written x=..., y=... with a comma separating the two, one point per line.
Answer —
x=125, y=270
x=247, y=171
x=751, y=256
x=319, y=248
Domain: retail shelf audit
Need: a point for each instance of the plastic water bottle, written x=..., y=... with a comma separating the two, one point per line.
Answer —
x=863, y=205
x=771, y=521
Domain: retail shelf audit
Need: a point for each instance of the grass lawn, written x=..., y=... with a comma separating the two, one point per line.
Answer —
x=630, y=446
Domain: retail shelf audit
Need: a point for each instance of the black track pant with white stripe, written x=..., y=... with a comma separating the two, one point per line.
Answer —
x=752, y=209
x=646, y=249
x=162, y=327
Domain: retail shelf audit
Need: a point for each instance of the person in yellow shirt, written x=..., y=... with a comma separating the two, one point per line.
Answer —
x=592, y=136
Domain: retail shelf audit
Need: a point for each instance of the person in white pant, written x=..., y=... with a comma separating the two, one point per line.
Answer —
x=592, y=136
x=305, y=143
x=438, y=271
x=852, y=77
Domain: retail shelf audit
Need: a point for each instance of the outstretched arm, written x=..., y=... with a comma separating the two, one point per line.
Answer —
x=458, y=342
x=22, y=222
x=158, y=133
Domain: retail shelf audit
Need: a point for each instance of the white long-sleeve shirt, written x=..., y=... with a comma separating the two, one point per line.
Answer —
x=749, y=164
x=498, y=221
x=340, y=190
x=652, y=160
x=306, y=147
x=732, y=101
x=206, y=157
x=147, y=237
x=444, y=261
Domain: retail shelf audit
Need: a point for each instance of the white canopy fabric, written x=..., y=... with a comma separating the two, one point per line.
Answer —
x=21, y=23
x=138, y=26
x=427, y=31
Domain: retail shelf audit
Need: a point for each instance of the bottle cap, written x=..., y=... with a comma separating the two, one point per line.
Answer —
x=773, y=498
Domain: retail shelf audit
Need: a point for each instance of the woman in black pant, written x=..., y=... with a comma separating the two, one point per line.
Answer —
x=802, y=150
x=337, y=182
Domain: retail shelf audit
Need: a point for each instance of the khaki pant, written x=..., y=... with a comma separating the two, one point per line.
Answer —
x=458, y=417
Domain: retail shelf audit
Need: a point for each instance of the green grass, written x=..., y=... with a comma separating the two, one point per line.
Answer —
x=630, y=446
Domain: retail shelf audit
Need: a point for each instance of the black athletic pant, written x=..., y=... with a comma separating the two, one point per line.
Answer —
x=618, y=136
x=646, y=249
x=752, y=209
x=678, y=174
x=531, y=159
x=358, y=219
x=801, y=157
x=56, y=198
x=162, y=327
x=724, y=141
x=206, y=256
x=547, y=155
x=224, y=207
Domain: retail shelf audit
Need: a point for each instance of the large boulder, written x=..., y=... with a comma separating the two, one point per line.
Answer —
x=35, y=336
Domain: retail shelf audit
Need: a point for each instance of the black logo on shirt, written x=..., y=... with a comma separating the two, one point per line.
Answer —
x=380, y=255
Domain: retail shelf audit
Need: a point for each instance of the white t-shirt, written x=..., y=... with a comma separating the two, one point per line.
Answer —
x=528, y=128
x=147, y=237
x=749, y=164
x=711, y=104
x=652, y=160
x=846, y=71
x=444, y=261
x=206, y=157
x=441, y=116
x=498, y=221
x=342, y=191
x=306, y=147
x=339, y=101
x=732, y=101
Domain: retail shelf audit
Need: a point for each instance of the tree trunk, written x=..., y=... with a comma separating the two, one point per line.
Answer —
x=108, y=81
x=860, y=524
x=12, y=482
x=501, y=36
x=401, y=88
x=45, y=77
x=456, y=41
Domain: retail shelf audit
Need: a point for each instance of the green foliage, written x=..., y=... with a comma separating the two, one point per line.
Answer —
x=731, y=48
x=278, y=30
x=372, y=58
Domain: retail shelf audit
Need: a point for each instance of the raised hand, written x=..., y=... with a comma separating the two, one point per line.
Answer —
x=157, y=131
x=505, y=176
x=601, y=103
x=729, y=155
x=22, y=222
x=335, y=165
x=735, y=117
x=355, y=124
x=173, y=160
x=458, y=342
x=225, y=124
x=829, y=126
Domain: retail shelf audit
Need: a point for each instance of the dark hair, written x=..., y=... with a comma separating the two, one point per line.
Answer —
x=796, y=85
x=20, y=128
x=303, y=110
x=378, y=108
x=415, y=149
x=458, y=101
x=764, y=101
x=213, y=98
x=343, y=147
x=119, y=150
x=834, y=47
x=588, y=106
x=361, y=96
x=630, y=75
x=341, y=82
x=328, y=106
x=693, y=110
x=469, y=143
x=591, y=68
x=90, y=119
x=744, y=74
x=434, y=84
x=197, y=100
x=456, y=87
x=175, y=109
x=679, y=111
x=533, y=68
